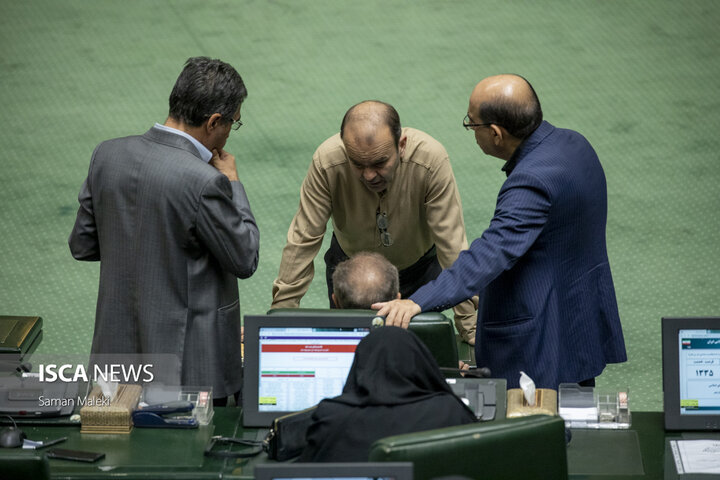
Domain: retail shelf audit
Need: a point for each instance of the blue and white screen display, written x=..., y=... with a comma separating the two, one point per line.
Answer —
x=699, y=358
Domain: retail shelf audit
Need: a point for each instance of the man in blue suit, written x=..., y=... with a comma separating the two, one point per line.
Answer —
x=547, y=301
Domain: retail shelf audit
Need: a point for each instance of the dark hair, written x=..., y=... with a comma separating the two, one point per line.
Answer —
x=205, y=87
x=391, y=118
x=519, y=119
x=350, y=284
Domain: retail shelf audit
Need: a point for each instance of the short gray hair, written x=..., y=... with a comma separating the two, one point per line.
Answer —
x=364, y=279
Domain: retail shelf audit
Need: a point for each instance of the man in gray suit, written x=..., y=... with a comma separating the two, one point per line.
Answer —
x=171, y=225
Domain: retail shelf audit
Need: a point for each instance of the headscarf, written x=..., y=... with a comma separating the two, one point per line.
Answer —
x=392, y=366
x=394, y=386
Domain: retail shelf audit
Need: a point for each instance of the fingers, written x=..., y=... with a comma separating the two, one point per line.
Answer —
x=397, y=313
x=381, y=307
x=393, y=319
x=392, y=311
x=406, y=317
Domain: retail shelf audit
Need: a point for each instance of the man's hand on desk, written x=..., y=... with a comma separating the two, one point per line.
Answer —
x=397, y=312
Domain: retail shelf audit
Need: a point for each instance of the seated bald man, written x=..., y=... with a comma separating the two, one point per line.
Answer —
x=364, y=279
x=388, y=190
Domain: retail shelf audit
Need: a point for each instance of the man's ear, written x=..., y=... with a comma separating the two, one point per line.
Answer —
x=401, y=145
x=498, y=134
x=213, y=122
x=334, y=299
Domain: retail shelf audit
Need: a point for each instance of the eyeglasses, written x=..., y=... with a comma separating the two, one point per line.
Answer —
x=236, y=124
x=467, y=123
x=382, y=225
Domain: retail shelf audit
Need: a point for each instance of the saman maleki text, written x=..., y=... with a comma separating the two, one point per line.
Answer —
x=99, y=401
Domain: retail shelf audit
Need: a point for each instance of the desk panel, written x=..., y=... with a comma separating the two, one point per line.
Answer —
x=616, y=451
x=150, y=452
x=178, y=454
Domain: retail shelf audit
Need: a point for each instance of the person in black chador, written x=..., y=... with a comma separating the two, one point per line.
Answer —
x=394, y=387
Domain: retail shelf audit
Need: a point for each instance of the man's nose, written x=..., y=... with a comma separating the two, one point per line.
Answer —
x=369, y=174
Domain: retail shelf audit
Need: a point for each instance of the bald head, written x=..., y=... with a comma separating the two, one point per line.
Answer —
x=371, y=134
x=364, y=279
x=508, y=101
x=366, y=122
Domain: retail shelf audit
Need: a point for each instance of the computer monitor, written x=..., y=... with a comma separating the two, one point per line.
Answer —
x=691, y=373
x=327, y=471
x=293, y=362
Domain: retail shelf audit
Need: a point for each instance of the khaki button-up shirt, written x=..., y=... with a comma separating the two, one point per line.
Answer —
x=422, y=205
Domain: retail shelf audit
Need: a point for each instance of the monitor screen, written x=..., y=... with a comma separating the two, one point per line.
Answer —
x=328, y=471
x=293, y=362
x=691, y=373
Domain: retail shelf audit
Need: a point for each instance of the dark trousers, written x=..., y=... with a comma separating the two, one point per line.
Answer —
x=223, y=401
x=411, y=278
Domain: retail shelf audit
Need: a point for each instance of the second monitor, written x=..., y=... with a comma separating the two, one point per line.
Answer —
x=293, y=362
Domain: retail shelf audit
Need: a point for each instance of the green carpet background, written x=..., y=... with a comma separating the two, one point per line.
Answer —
x=638, y=79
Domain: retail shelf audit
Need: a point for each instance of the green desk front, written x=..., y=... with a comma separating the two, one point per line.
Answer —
x=148, y=453
x=620, y=454
x=639, y=452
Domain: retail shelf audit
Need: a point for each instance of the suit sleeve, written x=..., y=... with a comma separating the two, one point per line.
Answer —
x=304, y=239
x=521, y=214
x=83, y=241
x=443, y=210
x=226, y=225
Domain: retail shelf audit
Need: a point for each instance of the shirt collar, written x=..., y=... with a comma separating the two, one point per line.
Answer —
x=527, y=145
x=205, y=154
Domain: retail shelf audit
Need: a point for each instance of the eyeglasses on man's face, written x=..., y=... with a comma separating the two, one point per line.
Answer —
x=467, y=123
x=382, y=225
x=236, y=124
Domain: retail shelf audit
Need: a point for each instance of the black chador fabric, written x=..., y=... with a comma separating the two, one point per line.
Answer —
x=394, y=387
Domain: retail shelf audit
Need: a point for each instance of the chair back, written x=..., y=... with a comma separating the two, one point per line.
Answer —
x=434, y=329
x=527, y=447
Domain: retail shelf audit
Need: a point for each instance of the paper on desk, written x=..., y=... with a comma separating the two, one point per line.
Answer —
x=528, y=388
x=696, y=456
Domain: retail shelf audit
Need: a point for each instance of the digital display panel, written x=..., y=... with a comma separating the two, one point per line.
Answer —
x=301, y=366
x=691, y=373
x=699, y=371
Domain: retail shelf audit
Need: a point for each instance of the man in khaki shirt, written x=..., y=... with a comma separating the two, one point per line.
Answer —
x=389, y=190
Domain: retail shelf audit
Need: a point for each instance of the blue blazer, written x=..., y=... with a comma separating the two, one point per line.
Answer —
x=547, y=300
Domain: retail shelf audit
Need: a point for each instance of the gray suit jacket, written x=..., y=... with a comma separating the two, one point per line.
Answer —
x=172, y=234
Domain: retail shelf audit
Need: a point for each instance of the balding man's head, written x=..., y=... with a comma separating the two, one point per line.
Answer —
x=373, y=142
x=364, y=279
x=508, y=101
x=364, y=120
